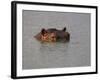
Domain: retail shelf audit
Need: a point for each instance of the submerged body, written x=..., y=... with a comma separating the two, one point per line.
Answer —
x=53, y=35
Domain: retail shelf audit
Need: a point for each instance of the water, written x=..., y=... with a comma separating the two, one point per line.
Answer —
x=74, y=53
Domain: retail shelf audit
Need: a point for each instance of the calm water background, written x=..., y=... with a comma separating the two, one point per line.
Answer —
x=55, y=55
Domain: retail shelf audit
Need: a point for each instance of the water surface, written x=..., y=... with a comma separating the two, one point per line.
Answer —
x=74, y=53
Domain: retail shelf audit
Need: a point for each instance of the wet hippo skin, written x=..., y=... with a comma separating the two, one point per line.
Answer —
x=53, y=35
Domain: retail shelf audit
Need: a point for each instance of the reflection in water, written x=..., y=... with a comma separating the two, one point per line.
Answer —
x=54, y=47
x=51, y=55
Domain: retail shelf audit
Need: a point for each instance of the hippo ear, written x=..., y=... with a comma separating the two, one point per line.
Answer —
x=43, y=31
x=64, y=29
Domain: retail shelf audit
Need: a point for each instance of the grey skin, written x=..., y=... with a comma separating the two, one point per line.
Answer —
x=61, y=35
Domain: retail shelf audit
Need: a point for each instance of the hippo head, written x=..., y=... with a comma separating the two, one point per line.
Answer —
x=52, y=35
x=47, y=36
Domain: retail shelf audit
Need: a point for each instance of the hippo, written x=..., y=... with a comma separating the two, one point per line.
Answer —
x=53, y=35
